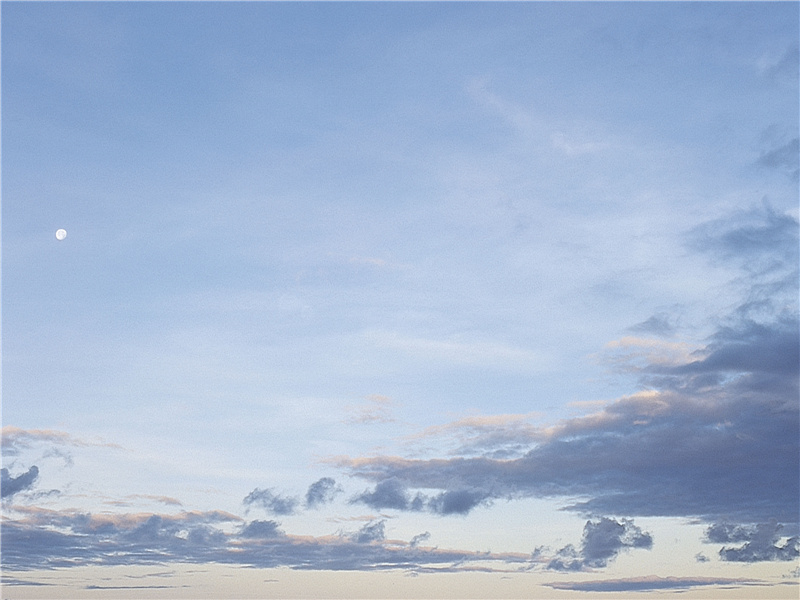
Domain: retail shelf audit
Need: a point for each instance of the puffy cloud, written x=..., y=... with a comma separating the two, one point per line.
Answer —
x=321, y=492
x=390, y=493
x=761, y=542
x=457, y=501
x=271, y=502
x=602, y=541
x=12, y=485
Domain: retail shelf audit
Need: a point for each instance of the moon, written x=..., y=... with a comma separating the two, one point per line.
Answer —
x=61, y=234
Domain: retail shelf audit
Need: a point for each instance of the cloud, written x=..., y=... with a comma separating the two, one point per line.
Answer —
x=784, y=158
x=662, y=324
x=44, y=539
x=713, y=433
x=460, y=352
x=418, y=539
x=457, y=501
x=12, y=485
x=644, y=584
x=497, y=436
x=390, y=493
x=378, y=411
x=761, y=240
x=271, y=502
x=761, y=542
x=602, y=541
x=15, y=439
x=322, y=492
x=371, y=532
x=261, y=530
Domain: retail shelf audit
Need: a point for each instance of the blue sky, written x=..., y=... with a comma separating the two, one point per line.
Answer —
x=400, y=299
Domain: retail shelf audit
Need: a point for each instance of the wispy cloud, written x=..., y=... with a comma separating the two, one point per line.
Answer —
x=377, y=410
x=460, y=352
x=15, y=439
x=649, y=583
x=51, y=539
x=271, y=502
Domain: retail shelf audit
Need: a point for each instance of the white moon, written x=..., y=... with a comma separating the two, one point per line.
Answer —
x=61, y=234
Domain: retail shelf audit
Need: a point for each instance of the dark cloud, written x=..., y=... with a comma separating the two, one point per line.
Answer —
x=644, y=584
x=761, y=542
x=261, y=530
x=715, y=436
x=390, y=493
x=52, y=539
x=11, y=485
x=271, y=502
x=602, y=541
x=322, y=492
x=457, y=501
x=374, y=531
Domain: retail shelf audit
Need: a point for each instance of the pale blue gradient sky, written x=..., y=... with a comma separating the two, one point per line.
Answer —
x=464, y=259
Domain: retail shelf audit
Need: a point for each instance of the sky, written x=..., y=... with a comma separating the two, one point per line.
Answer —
x=387, y=300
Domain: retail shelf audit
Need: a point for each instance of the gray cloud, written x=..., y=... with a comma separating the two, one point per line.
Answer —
x=662, y=324
x=418, y=539
x=261, y=530
x=51, y=539
x=785, y=158
x=271, y=502
x=602, y=541
x=374, y=531
x=714, y=437
x=390, y=493
x=457, y=501
x=12, y=485
x=322, y=492
x=643, y=584
x=761, y=542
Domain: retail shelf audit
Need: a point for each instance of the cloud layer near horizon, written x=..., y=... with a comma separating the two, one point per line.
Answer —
x=712, y=434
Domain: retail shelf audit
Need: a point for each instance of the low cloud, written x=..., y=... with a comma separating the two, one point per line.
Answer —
x=602, y=541
x=392, y=493
x=271, y=502
x=261, y=530
x=44, y=539
x=12, y=485
x=371, y=532
x=322, y=492
x=644, y=584
x=759, y=542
